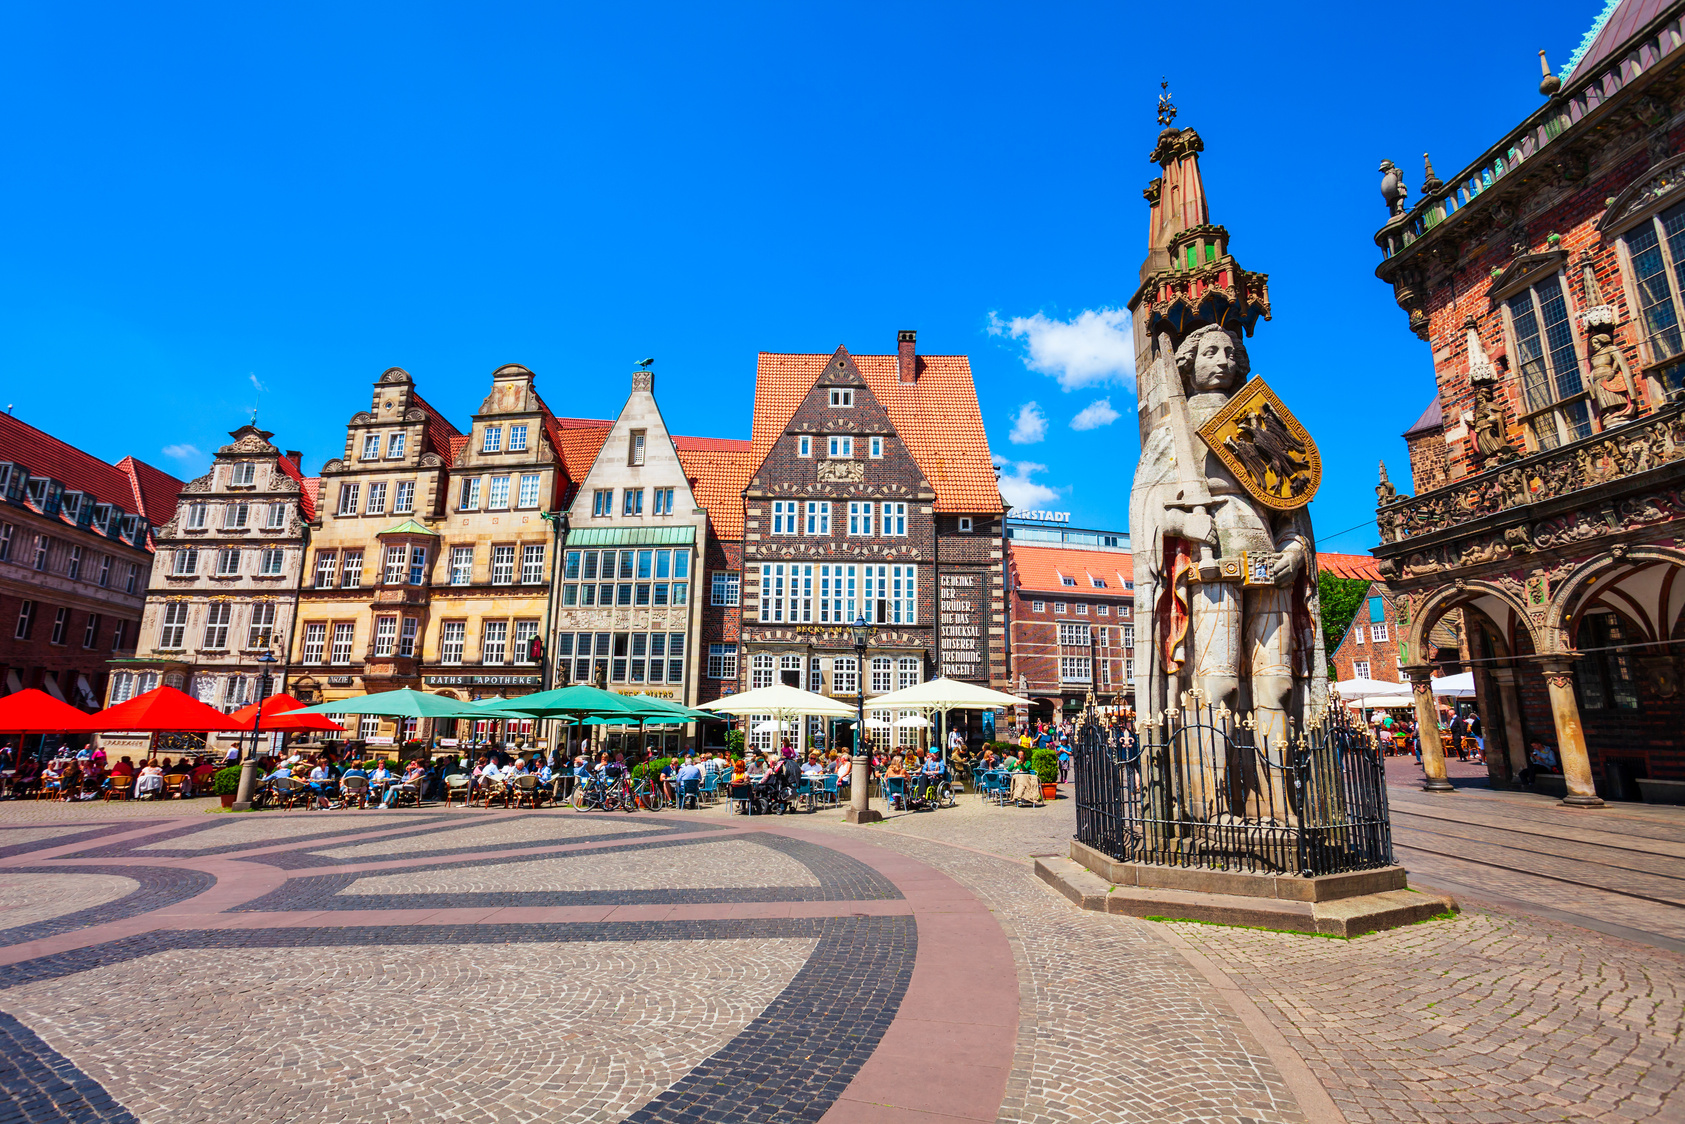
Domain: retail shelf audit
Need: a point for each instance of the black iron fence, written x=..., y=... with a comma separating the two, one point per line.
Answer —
x=1199, y=787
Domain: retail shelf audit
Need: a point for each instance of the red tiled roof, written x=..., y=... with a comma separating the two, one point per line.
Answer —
x=718, y=472
x=132, y=485
x=310, y=487
x=306, y=488
x=1045, y=568
x=1349, y=565
x=937, y=417
x=455, y=447
x=440, y=432
x=1432, y=418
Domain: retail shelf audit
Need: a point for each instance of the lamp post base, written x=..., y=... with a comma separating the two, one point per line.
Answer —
x=861, y=815
x=1437, y=784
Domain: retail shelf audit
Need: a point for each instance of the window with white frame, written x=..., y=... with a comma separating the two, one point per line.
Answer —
x=760, y=670
x=1038, y=606
x=1358, y=634
x=122, y=687
x=907, y=672
x=406, y=637
x=875, y=447
x=260, y=632
x=90, y=634
x=218, y=614
x=470, y=495
x=1654, y=249
x=725, y=588
x=385, y=635
x=818, y=517
x=722, y=661
x=1074, y=669
x=371, y=447
x=838, y=593
x=61, y=620
x=893, y=519
x=326, y=562
x=602, y=501
x=26, y=620
x=520, y=648
x=196, y=516
x=1378, y=632
x=235, y=515
x=270, y=561
x=632, y=501
x=1129, y=636
x=172, y=632
x=105, y=571
x=1073, y=635
x=342, y=636
x=348, y=495
x=497, y=496
x=517, y=439
x=774, y=578
x=315, y=640
x=503, y=565
x=529, y=490
x=860, y=517
x=492, y=440
x=635, y=447
x=845, y=675
x=965, y=524
x=351, y=570
x=418, y=565
x=185, y=562
x=840, y=447
x=73, y=565
x=1360, y=669
x=403, y=501
x=842, y=397
x=397, y=559
x=1552, y=389
x=1102, y=610
x=1082, y=610
x=492, y=641
x=277, y=519
x=451, y=637
x=1058, y=608
x=394, y=445
x=532, y=564
x=883, y=675
x=228, y=562
x=784, y=520
x=43, y=545
x=663, y=500
x=804, y=446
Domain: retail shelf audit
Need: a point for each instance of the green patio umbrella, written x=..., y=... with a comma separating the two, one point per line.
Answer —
x=404, y=703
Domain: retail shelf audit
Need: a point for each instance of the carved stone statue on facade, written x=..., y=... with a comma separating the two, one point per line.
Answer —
x=1232, y=574
x=1611, y=380
x=1489, y=435
x=1392, y=187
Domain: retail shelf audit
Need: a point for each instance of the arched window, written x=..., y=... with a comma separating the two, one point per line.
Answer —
x=1604, y=673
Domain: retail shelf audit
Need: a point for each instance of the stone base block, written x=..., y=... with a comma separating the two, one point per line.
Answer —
x=851, y=814
x=1344, y=906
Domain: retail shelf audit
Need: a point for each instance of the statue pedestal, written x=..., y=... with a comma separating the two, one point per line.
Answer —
x=1339, y=905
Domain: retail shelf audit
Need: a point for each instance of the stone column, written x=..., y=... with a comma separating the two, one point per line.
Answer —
x=1427, y=728
x=1570, y=738
x=1514, y=739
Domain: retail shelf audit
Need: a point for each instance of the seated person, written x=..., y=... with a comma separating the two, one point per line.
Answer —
x=811, y=767
x=739, y=772
x=28, y=776
x=845, y=766
x=150, y=781
x=668, y=772
x=123, y=771
x=933, y=771
x=202, y=774
x=411, y=783
x=382, y=776
x=895, y=771
x=689, y=771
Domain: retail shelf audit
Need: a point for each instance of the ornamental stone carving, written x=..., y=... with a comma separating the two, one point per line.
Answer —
x=841, y=472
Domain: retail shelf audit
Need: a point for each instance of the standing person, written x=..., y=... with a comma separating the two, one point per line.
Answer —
x=1064, y=760
x=1458, y=728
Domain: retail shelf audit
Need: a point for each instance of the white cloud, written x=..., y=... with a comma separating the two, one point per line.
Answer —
x=182, y=452
x=1095, y=415
x=257, y=386
x=1095, y=347
x=1016, y=487
x=1029, y=425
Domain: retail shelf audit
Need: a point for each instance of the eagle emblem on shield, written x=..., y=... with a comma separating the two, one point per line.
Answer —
x=1265, y=448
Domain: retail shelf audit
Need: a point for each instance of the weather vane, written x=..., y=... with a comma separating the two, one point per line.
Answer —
x=1166, y=109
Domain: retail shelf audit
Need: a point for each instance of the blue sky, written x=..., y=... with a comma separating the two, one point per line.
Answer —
x=203, y=200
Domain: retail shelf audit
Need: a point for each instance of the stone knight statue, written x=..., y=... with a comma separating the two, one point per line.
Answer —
x=1225, y=559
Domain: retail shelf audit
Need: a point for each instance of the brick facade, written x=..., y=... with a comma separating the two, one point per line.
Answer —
x=1063, y=622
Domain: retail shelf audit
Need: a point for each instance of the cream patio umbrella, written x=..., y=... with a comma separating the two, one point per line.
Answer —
x=784, y=703
x=941, y=695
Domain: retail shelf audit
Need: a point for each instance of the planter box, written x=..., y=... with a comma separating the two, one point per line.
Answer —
x=1662, y=792
x=1050, y=792
x=228, y=800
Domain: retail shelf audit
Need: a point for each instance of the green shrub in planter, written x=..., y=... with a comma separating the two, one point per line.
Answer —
x=651, y=768
x=1046, y=764
x=226, y=782
x=734, y=744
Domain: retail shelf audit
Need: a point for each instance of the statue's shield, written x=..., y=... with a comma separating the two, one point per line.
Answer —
x=1265, y=448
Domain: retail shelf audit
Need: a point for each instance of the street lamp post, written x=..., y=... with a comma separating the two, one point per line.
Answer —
x=860, y=777
x=248, y=765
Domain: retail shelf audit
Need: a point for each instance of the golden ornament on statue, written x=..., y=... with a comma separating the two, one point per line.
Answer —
x=1265, y=448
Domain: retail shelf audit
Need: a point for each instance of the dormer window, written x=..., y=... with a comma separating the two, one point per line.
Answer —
x=517, y=439
x=1099, y=583
x=842, y=447
x=395, y=445
x=635, y=449
x=841, y=397
x=493, y=441
x=1064, y=580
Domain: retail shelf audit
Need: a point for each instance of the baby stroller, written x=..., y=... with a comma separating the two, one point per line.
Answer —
x=775, y=792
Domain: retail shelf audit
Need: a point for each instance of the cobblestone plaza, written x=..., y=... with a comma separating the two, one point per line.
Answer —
x=166, y=964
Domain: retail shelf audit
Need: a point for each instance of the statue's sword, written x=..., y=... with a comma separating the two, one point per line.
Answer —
x=1193, y=495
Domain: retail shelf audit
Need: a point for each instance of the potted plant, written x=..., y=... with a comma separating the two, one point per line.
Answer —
x=226, y=784
x=1046, y=764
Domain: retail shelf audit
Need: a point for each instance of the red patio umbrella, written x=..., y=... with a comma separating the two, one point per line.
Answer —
x=163, y=710
x=276, y=718
x=36, y=712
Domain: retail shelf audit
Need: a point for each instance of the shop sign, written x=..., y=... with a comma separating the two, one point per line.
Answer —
x=341, y=680
x=482, y=680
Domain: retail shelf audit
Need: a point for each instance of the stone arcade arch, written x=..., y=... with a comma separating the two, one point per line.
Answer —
x=1497, y=606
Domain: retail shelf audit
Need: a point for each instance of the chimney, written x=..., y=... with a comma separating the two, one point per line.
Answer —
x=906, y=362
x=296, y=457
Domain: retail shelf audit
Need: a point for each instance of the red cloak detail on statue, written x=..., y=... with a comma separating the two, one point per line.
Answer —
x=1170, y=615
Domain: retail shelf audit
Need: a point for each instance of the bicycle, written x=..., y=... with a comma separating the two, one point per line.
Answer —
x=596, y=794
x=645, y=795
